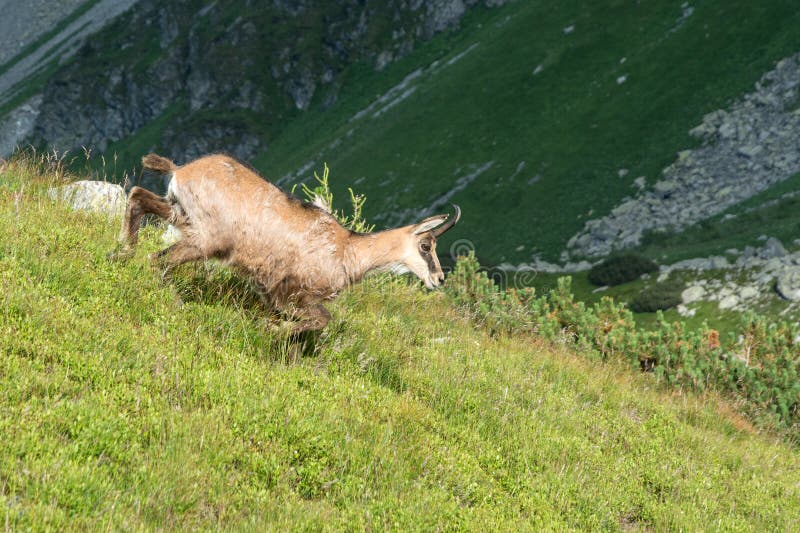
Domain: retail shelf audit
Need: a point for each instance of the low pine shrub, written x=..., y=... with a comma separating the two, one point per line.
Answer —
x=621, y=269
x=658, y=297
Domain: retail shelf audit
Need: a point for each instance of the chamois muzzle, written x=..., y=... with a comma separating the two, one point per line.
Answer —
x=449, y=224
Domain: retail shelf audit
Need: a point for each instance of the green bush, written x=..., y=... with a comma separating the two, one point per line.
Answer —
x=621, y=269
x=658, y=297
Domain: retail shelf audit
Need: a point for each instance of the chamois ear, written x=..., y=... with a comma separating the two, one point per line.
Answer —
x=435, y=223
x=429, y=223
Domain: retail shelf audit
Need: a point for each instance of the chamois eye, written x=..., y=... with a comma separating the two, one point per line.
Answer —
x=425, y=247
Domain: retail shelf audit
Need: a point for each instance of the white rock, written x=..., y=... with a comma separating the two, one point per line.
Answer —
x=693, y=294
x=728, y=302
x=748, y=292
x=97, y=196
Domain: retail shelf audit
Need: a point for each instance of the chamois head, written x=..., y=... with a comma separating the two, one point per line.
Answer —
x=420, y=253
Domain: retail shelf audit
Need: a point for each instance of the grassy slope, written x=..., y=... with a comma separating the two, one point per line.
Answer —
x=572, y=124
x=131, y=402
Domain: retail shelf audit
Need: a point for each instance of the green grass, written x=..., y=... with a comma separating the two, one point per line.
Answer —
x=132, y=402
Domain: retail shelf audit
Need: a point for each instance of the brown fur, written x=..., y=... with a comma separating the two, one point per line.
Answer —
x=296, y=254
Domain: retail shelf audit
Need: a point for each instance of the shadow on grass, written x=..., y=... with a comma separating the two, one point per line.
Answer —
x=214, y=285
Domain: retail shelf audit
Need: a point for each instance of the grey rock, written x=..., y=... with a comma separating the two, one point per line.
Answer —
x=18, y=124
x=746, y=148
x=576, y=267
x=665, y=187
x=703, y=130
x=443, y=14
x=719, y=262
x=121, y=98
x=750, y=151
x=773, y=248
x=772, y=264
x=749, y=292
x=727, y=130
x=788, y=284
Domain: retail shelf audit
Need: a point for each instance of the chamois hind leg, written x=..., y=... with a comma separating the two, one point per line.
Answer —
x=303, y=330
x=140, y=203
x=179, y=253
x=301, y=320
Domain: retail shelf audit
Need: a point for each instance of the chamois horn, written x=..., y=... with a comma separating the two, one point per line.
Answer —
x=449, y=224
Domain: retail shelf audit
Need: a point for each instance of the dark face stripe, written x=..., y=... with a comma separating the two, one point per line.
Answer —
x=428, y=257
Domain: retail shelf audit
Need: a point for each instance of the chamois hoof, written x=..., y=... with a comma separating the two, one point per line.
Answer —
x=120, y=254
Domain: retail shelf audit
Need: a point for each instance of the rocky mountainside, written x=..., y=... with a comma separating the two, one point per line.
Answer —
x=197, y=76
x=746, y=149
x=35, y=38
x=24, y=22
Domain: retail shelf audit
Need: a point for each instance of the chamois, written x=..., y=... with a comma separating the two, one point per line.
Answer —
x=296, y=254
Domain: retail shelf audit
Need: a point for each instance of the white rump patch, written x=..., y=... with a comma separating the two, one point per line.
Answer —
x=172, y=194
x=171, y=235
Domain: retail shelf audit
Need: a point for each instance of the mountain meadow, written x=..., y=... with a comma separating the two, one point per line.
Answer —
x=131, y=401
x=617, y=343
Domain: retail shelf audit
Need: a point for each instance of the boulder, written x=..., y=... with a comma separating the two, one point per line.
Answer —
x=749, y=292
x=693, y=294
x=788, y=284
x=96, y=196
x=773, y=248
x=728, y=302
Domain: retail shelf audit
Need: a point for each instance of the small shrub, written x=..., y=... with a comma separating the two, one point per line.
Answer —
x=322, y=196
x=621, y=269
x=658, y=297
